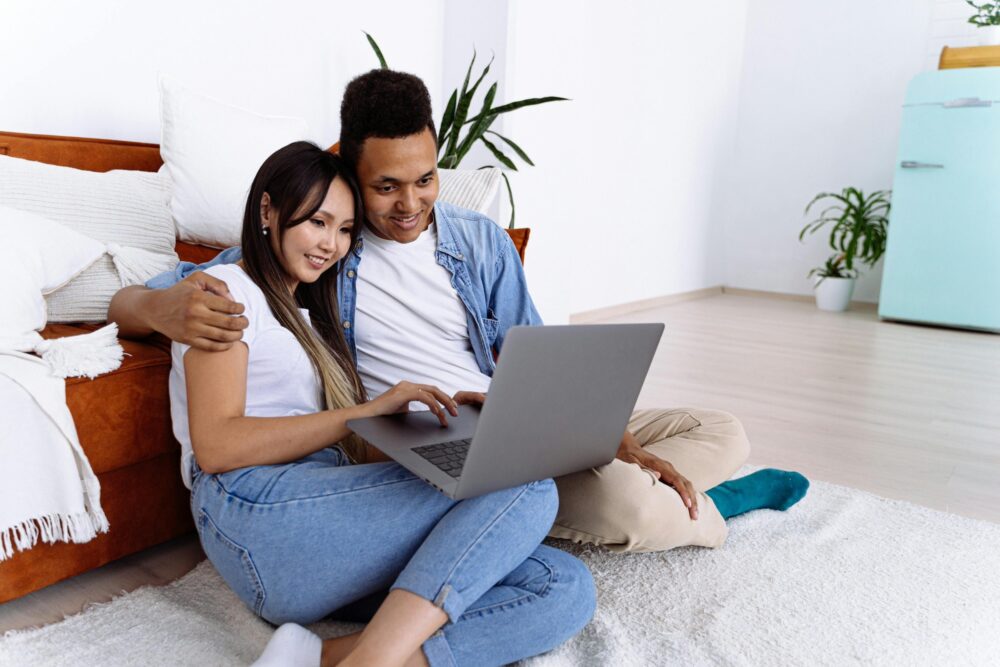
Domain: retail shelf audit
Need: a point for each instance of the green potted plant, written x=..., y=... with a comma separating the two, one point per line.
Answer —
x=987, y=18
x=858, y=225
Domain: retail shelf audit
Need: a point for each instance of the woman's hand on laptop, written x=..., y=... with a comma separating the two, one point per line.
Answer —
x=399, y=397
x=469, y=398
x=630, y=451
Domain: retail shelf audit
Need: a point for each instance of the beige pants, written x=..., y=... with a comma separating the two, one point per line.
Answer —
x=623, y=507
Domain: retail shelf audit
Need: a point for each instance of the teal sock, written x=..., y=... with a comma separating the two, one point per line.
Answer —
x=765, y=489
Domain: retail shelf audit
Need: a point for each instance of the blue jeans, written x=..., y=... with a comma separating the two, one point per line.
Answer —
x=299, y=541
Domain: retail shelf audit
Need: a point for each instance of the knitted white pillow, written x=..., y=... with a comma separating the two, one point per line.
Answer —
x=125, y=210
x=474, y=189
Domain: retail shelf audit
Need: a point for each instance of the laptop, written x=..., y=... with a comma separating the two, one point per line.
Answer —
x=559, y=402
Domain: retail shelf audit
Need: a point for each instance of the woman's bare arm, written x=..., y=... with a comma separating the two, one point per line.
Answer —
x=223, y=438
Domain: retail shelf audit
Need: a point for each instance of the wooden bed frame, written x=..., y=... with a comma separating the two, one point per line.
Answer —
x=89, y=154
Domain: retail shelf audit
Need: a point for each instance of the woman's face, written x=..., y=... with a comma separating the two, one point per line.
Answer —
x=314, y=245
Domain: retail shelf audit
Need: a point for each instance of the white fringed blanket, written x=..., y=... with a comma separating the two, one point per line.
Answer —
x=48, y=490
x=843, y=578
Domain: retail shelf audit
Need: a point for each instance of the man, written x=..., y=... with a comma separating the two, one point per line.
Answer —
x=428, y=295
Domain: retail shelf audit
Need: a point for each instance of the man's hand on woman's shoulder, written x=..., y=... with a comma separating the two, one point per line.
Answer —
x=198, y=311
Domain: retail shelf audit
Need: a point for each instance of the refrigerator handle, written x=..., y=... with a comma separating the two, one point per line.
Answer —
x=965, y=102
x=912, y=164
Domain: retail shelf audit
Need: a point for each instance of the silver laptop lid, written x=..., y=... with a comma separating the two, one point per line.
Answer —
x=587, y=377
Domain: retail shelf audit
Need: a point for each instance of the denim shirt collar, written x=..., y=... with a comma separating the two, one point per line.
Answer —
x=447, y=242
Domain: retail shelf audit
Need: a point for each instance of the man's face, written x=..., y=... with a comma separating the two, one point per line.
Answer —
x=399, y=184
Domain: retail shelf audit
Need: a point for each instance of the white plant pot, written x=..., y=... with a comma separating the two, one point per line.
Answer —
x=834, y=293
x=988, y=36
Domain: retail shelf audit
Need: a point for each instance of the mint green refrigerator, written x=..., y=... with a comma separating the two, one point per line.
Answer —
x=942, y=261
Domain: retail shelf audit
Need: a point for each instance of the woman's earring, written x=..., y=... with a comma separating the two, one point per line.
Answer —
x=263, y=230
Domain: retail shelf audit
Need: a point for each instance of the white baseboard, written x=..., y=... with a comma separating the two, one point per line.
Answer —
x=644, y=304
x=601, y=314
x=805, y=298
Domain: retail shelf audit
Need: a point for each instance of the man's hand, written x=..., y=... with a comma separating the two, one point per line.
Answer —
x=198, y=311
x=469, y=398
x=630, y=451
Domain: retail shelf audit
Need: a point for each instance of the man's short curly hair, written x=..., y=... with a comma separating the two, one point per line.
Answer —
x=385, y=104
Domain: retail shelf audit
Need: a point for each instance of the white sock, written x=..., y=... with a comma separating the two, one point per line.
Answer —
x=291, y=646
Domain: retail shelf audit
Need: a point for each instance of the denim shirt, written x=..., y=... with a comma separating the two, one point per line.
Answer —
x=485, y=269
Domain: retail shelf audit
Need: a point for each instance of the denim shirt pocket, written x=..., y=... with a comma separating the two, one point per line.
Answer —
x=232, y=561
x=491, y=328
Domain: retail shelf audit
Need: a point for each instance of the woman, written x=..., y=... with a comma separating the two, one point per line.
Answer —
x=288, y=503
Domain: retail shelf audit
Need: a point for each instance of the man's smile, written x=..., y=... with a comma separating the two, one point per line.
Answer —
x=407, y=221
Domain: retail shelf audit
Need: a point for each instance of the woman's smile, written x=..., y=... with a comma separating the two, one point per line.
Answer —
x=317, y=261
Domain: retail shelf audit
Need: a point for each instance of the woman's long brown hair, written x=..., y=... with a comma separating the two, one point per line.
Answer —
x=296, y=179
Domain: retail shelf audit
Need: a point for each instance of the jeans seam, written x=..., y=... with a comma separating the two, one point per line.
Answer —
x=478, y=539
x=338, y=492
x=522, y=599
x=250, y=568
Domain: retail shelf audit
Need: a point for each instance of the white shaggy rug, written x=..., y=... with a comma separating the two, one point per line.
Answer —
x=843, y=578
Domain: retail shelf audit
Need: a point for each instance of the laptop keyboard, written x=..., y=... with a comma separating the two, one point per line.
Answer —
x=448, y=456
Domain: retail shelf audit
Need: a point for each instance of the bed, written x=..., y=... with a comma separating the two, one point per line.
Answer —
x=123, y=417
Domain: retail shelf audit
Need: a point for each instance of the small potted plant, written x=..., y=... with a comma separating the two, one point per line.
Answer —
x=858, y=226
x=987, y=18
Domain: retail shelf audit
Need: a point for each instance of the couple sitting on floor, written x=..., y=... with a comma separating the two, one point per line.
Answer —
x=302, y=518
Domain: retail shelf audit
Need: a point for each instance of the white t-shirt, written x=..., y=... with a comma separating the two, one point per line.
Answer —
x=410, y=323
x=281, y=380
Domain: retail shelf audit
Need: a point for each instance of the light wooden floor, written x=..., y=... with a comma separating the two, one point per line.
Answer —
x=903, y=411
x=899, y=410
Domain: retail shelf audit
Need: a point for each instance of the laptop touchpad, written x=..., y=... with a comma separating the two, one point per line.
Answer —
x=412, y=429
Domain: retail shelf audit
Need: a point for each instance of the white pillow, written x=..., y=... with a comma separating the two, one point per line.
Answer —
x=38, y=256
x=474, y=189
x=125, y=210
x=212, y=151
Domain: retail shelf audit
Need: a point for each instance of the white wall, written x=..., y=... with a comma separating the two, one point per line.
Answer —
x=89, y=68
x=696, y=134
x=622, y=202
x=820, y=100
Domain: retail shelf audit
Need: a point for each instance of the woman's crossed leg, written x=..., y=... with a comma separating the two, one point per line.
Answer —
x=325, y=534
